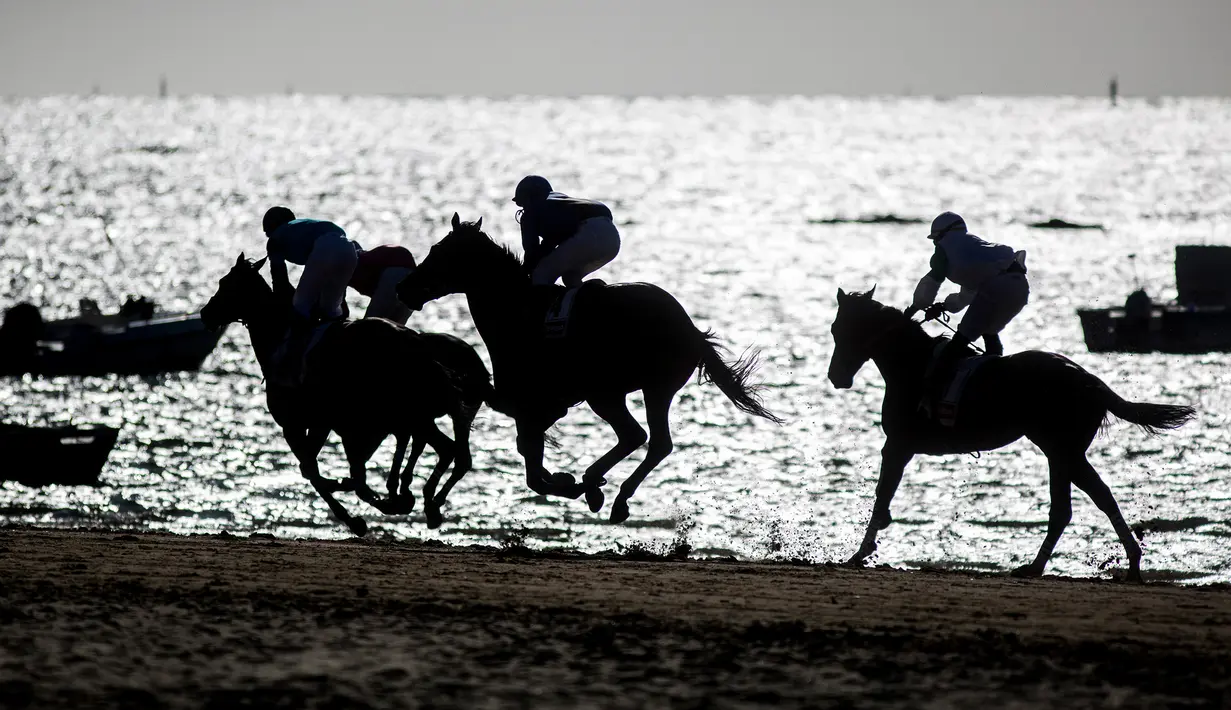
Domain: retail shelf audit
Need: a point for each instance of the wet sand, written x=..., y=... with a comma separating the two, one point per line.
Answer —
x=147, y=620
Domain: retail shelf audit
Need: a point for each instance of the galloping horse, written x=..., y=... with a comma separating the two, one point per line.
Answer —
x=1045, y=397
x=366, y=379
x=621, y=338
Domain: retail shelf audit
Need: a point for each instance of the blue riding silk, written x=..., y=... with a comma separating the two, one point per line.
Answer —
x=293, y=241
x=556, y=219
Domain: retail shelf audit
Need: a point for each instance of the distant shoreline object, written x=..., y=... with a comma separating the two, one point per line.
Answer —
x=1055, y=223
x=871, y=219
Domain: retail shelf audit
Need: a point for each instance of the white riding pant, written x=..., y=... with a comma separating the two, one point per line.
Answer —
x=596, y=243
x=322, y=287
x=385, y=303
x=998, y=301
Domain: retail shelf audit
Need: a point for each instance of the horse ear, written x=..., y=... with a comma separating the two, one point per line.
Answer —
x=260, y=263
x=241, y=260
x=872, y=291
x=479, y=224
x=457, y=221
x=841, y=295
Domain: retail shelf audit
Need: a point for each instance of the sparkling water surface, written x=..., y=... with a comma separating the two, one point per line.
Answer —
x=720, y=201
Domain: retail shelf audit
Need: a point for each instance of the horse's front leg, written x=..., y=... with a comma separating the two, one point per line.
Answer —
x=893, y=462
x=530, y=446
x=306, y=445
x=445, y=452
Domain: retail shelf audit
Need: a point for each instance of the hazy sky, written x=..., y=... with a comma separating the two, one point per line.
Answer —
x=498, y=47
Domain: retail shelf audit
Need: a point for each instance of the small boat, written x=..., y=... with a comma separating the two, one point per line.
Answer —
x=1198, y=321
x=42, y=456
x=136, y=341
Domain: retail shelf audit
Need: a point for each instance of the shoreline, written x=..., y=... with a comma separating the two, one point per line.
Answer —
x=157, y=620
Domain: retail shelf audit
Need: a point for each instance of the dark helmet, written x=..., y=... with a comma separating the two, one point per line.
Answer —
x=532, y=188
x=947, y=222
x=276, y=217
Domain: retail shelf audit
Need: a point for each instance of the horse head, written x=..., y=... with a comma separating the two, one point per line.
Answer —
x=858, y=328
x=453, y=265
x=239, y=292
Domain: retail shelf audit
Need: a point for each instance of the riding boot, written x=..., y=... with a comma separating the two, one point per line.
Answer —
x=288, y=360
x=992, y=345
x=938, y=374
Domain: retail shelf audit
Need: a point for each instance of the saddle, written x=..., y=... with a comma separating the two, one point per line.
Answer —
x=560, y=309
x=944, y=406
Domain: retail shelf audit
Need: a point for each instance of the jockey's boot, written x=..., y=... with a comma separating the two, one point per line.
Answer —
x=992, y=345
x=940, y=371
x=288, y=358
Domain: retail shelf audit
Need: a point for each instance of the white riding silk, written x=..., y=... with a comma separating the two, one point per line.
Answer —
x=322, y=287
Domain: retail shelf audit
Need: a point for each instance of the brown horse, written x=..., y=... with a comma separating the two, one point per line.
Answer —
x=621, y=338
x=1045, y=397
x=366, y=380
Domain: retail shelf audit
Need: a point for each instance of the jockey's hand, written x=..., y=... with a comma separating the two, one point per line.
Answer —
x=910, y=311
x=933, y=311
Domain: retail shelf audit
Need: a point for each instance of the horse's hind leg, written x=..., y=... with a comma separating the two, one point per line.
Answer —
x=613, y=410
x=461, y=466
x=1087, y=479
x=445, y=451
x=359, y=450
x=658, y=410
x=416, y=450
x=391, y=484
x=1057, y=519
x=893, y=464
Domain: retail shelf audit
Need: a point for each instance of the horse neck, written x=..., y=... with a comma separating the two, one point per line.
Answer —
x=266, y=324
x=905, y=352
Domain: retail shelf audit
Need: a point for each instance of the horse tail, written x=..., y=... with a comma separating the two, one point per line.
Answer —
x=1154, y=418
x=732, y=378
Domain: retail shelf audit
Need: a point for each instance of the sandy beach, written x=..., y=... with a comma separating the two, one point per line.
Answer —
x=150, y=620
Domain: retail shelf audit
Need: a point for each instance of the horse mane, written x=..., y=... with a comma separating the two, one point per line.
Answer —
x=508, y=258
x=888, y=313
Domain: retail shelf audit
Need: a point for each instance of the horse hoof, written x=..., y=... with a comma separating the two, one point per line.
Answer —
x=358, y=527
x=594, y=498
x=1134, y=576
x=434, y=518
x=619, y=511
x=1026, y=572
x=561, y=480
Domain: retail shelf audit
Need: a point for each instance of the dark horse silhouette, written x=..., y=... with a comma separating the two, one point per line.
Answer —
x=365, y=380
x=622, y=338
x=1045, y=397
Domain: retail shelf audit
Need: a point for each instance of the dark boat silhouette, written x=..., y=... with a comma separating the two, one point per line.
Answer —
x=1198, y=321
x=135, y=341
x=42, y=456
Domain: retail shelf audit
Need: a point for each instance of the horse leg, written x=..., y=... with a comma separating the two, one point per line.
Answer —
x=391, y=484
x=1088, y=480
x=893, y=463
x=445, y=451
x=461, y=430
x=416, y=450
x=358, y=450
x=614, y=411
x=530, y=446
x=657, y=415
x=306, y=447
x=1057, y=520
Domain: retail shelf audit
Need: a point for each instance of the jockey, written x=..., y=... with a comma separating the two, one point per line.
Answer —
x=329, y=259
x=578, y=236
x=377, y=275
x=993, y=284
